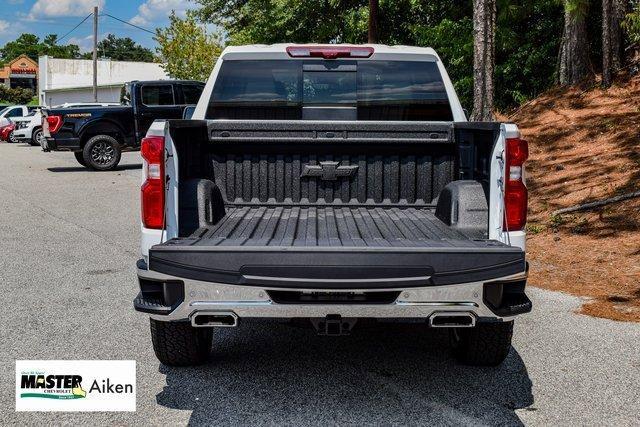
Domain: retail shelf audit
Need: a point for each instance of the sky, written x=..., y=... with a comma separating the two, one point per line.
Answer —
x=42, y=17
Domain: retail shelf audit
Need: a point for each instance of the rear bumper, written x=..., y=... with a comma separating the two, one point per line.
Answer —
x=172, y=298
x=62, y=144
x=22, y=134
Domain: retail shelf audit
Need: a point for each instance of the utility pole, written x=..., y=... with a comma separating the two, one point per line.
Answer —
x=95, y=53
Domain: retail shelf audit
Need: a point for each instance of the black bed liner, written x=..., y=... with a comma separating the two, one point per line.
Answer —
x=278, y=226
x=334, y=248
x=328, y=226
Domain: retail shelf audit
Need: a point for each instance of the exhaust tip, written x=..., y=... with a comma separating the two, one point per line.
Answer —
x=214, y=320
x=452, y=320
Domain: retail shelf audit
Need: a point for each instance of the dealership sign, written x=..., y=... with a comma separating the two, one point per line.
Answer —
x=75, y=385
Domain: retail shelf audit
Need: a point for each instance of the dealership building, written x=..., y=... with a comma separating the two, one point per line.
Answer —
x=21, y=72
x=71, y=80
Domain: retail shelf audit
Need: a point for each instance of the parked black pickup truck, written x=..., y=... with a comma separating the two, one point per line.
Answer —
x=98, y=135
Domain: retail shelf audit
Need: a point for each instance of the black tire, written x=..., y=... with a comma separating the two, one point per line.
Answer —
x=102, y=153
x=35, y=135
x=12, y=138
x=486, y=344
x=180, y=344
x=79, y=155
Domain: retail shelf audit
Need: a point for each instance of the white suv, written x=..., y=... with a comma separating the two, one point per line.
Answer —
x=29, y=128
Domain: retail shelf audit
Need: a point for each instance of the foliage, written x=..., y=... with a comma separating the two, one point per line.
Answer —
x=30, y=45
x=453, y=40
x=15, y=96
x=527, y=42
x=631, y=23
x=116, y=48
x=297, y=21
x=187, y=49
x=122, y=49
x=527, y=36
x=576, y=7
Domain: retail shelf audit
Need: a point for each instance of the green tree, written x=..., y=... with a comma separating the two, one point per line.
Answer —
x=527, y=42
x=30, y=45
x=453, y=40
x=51, y=47
x=573, y=57
x=122, y=49
x=527, y=39
x=330, y=21
x=631, y=23
x=188, y=51
x=297, y=21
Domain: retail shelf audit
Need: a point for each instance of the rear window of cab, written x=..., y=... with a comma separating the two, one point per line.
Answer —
x=329, y=89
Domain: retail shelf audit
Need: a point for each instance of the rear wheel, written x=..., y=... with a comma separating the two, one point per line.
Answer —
x=37, y=137
x=79, y=155
x=12, y=138
x=102, y=152
x=179, y=343
x=486, y=344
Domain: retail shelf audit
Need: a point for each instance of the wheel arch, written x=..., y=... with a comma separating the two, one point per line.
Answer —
x=101, y=127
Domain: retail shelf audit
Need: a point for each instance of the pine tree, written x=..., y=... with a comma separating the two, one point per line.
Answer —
x=484, y=29
x=606, y=42
x=574, y=47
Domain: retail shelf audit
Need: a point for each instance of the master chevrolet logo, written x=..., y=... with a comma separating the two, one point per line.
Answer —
x=329, y=171
x=75, y=385
x=52, y=386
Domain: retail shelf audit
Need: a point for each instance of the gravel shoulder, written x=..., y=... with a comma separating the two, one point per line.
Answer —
x=69, y=244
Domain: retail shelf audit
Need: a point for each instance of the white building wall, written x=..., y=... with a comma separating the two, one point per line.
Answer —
x=77, y=74
x=83, y=94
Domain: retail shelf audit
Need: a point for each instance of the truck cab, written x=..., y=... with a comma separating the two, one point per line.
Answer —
x=332, y=183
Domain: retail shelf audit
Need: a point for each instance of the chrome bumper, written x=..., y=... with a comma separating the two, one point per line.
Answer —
x=250, y=301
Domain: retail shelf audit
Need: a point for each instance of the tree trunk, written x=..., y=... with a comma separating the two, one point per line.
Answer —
x=373, y=21
x=574, y=54
x=617, y=16
x=484, y=28
x=606, y=42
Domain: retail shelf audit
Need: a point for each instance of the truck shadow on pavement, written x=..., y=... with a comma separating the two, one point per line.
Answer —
x=269, y=373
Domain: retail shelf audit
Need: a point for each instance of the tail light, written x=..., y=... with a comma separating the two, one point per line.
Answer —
x=329, y=52
x=515, y=194
x=54, y=123
x=152, y=191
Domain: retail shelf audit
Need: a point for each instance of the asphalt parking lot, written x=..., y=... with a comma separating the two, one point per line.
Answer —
x=69, y=240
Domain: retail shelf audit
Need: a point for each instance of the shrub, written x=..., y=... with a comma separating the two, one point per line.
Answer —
x=16, y=96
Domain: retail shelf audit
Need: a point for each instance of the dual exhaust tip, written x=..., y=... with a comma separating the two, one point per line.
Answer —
x=452, y=319
x=228, y=319
x=214, y=319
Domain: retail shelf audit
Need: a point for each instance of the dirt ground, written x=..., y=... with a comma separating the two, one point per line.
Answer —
x=584, y=145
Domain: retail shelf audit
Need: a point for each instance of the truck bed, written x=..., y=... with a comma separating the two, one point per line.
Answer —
x=251, y=215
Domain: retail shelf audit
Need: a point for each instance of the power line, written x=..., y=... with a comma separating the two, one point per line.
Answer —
x=128, y=23
x=74, y=28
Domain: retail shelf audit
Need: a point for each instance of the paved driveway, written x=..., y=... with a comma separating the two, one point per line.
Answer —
x=69, y=243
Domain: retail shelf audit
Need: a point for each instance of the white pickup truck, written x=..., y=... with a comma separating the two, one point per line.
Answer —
x=332, y=183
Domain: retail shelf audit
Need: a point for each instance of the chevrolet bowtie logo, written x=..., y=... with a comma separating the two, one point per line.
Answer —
x=329, y=171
